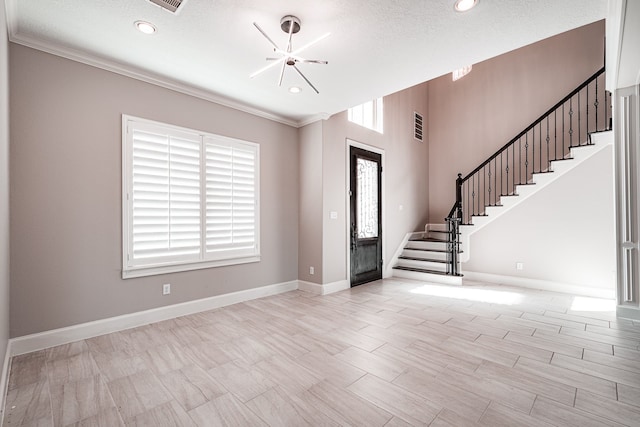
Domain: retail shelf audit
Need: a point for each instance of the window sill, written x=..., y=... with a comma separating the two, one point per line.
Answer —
x=165, y=269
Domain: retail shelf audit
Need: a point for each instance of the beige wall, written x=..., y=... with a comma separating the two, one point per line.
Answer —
x=310, y=209
x=472, y=118
x=66, y=239
x=4, y=186
x=563, y=234
x=405, y=175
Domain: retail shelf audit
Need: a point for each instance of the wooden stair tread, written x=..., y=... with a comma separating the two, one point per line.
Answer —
x=429, y=239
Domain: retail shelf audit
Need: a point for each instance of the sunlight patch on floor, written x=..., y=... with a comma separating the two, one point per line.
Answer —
x=471, y=294
x=592, y=304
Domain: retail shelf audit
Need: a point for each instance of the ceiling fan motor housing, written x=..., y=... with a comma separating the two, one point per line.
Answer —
x=289, y=20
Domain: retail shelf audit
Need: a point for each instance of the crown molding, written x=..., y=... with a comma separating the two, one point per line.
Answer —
x=11, y=14
x=313, y=119
x=128, y=71
x=133, y=72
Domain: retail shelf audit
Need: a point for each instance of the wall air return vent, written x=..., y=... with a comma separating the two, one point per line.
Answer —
x=172, y=6
x=417, y=126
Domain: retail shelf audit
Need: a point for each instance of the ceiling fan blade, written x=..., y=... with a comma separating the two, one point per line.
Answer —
x=266, y=36
x=306, y=79
x=314, y=61
x=273, y=59
x=263, y=69
x=284, y=64
x=299, y=50
x=290, y=36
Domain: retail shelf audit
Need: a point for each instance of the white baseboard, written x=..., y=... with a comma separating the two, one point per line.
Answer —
x=4, y=380
x=627, y=312
x=313, y=288
x=544, y=285
x=325, y=289
x=42, y=340
x=332, y=287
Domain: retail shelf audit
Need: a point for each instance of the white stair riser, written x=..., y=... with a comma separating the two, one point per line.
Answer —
x=433, y=235
x=426, y=245
x=424, y=254
x=426, y=277
x=437, y=266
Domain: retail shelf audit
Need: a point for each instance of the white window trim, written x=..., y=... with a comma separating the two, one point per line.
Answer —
x=377, y=113
x=176, y=265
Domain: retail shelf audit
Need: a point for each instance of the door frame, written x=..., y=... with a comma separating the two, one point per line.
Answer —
x=351, y=143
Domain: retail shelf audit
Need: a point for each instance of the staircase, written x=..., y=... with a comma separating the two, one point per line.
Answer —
x=570, y=132
x=426, y=256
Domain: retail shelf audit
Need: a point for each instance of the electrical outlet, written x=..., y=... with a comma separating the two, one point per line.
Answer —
x=312, y=270
x=519, y=266
x=166, y=289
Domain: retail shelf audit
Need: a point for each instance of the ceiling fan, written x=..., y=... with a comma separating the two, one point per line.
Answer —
x=289, y=57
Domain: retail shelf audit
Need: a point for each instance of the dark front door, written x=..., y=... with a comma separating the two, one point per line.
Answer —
x=366, y=216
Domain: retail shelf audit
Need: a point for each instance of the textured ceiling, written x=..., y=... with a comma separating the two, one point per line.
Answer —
x=210, y=48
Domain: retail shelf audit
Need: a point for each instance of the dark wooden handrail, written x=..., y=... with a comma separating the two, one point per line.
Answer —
x=535, y=123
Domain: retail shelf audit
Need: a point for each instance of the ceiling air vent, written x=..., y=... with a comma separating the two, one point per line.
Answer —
x=417, y=126
x=172, y=6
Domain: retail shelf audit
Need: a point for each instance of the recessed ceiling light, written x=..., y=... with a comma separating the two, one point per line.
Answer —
x=145, y=27
x=464, y=5
x=295, y=89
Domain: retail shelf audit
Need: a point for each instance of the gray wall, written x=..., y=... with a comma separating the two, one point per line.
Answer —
x=473, y=117
x=406, y=177
x=66, y=241
x=4, y=185
x=310, y=210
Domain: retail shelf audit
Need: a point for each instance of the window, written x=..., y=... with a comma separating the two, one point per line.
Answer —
x=368, y=115
x=190, y=199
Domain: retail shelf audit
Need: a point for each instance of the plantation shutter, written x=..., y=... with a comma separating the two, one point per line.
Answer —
x=165, y=194
x=231, y=203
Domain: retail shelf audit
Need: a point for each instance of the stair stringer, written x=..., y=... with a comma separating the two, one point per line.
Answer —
x=558, y=168
x=388, y=272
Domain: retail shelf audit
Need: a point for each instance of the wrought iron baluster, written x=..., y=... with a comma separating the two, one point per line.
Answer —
x=548, y=139
x=507, y=169
x=489, y=194
x=587, y=113
x=539, y=143
x=595, y=104
x=473, y=194
x=501, y=177
x=495, y=180
x=563, y=133
x=526, y=158
x=469, y=210
x=555, y=134
x=533, y=154
x=540, y=147
x=484, y=189
x=570, y=122
x=579, y=124
x=519, y=161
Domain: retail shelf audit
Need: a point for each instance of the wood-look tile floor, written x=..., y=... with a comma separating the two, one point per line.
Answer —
x=389, y=353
